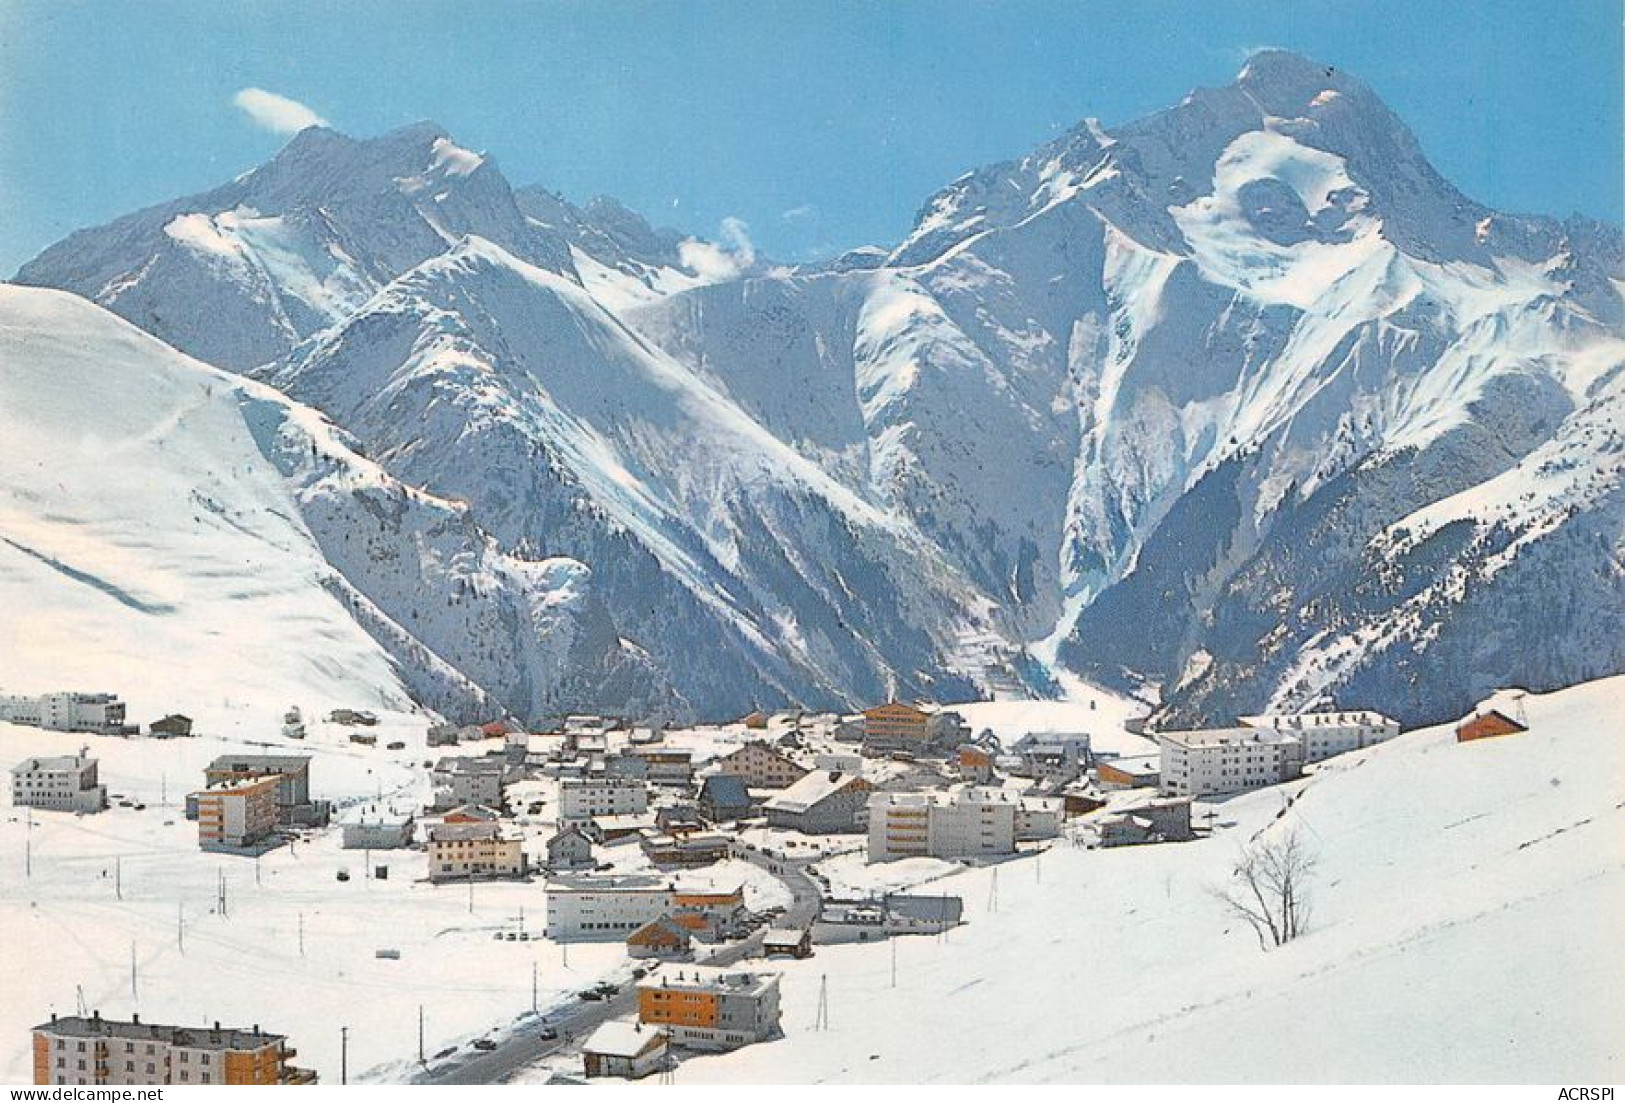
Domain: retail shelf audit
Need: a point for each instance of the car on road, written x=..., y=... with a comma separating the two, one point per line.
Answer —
x=485, y=1045
x=589, y=994
x=547, y=1034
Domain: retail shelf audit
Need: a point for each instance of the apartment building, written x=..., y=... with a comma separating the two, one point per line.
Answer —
x=470, y=780
x=238, y=816
x=667, y=765
x=896, y=725
x=1325, y=734
x=292, y=774
x=373, y=828
x=91, y=713
x=711, y=1009
x=1227, y=760
x=78, y=1050
x=966, y=823
x=474, y=849
x=761, y=766
x=606, y=909
x=582, y=798
x=62, y=783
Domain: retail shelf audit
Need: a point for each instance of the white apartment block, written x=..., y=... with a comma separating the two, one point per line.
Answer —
x=967, y=823
x=1325, y=734
x=93, y=713
x=64, y=783
x=582, y=798
x=1038, y=818
x=1227, y=760
x=604, y=909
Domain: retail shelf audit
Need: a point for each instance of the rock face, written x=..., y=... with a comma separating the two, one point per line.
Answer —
x=1241, y=400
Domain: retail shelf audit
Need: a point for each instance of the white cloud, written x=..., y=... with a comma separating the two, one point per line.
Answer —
x=275, y=113
x=720, y=260
x=796, y=214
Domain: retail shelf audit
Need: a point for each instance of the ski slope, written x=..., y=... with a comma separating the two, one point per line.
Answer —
x=148, y=546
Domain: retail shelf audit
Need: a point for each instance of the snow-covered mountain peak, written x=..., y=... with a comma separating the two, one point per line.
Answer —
x=1205, y=400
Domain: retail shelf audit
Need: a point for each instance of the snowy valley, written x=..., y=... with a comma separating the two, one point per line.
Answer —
x=565, y=550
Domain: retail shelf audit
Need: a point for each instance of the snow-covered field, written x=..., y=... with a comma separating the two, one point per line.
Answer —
x=1086, y=708
x=1465, y=928
x=851, y=875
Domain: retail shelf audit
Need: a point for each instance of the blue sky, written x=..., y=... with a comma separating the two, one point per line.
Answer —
x=822, y=125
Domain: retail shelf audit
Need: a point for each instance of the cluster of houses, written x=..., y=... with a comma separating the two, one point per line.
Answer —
x=634, y=815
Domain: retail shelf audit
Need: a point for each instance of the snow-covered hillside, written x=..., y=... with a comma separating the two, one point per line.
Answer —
x=1241, y=404
x=199, y=543
x=746, y=571
x=1120, y=965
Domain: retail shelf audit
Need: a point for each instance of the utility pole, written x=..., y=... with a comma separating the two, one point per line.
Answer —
x=180, y=926
x=344, y=1055
x=118, y=877
x=470, y=888
x=257, y=871
x=421, y=1059
x=28, y=844
x=132, y=971
x=993, y=891
x=893, y=941
x=533, y=998
x=301, y=934
x=821, y=1019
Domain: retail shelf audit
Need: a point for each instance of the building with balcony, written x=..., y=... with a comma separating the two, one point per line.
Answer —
x=711, y=1009
x=78, y=1050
